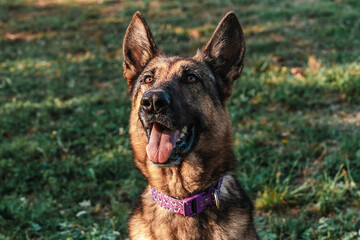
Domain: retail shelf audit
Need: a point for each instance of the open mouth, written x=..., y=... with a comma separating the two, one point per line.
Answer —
x=167, y=147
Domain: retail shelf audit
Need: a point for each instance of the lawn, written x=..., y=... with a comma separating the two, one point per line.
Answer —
x=66, y=168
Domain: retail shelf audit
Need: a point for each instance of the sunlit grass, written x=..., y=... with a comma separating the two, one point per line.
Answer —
x=64, y=112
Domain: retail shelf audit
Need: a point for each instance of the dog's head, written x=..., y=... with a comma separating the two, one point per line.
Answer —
x=179, y=104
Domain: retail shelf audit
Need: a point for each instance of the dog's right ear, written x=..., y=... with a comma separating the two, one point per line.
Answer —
x=138, y=48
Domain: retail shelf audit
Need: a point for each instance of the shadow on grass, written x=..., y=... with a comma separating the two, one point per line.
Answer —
x=64, y=108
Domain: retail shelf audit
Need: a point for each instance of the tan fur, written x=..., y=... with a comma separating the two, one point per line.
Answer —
x=157, y=223
x=204, y=104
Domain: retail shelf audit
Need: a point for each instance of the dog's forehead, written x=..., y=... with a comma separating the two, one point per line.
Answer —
x=169, y=67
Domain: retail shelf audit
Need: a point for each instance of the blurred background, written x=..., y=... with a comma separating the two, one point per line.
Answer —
x=66, y=168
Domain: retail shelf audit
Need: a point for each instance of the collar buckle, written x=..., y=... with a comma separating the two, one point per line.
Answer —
x=216, y=195
x=193, y=205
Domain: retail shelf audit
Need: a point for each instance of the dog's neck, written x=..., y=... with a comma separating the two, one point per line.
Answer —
x=188, y=178
x=192, y=205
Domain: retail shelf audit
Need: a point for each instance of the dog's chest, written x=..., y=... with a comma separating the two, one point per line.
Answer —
x=150, y=221
x=163, y=225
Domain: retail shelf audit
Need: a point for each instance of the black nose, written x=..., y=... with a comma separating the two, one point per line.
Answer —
x=155, y=101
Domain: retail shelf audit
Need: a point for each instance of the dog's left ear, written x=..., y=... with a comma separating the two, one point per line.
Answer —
x=138, y=48
x=225, y=52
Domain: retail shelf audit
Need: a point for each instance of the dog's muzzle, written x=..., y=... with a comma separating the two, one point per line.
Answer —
x=167, y=143
x=154, y=102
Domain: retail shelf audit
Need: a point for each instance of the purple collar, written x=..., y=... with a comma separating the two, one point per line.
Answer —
x=192, y=205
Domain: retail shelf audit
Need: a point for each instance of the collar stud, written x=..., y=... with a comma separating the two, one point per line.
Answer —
x=193, y=205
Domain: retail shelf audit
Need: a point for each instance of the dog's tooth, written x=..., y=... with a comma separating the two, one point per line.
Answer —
x=178, y=140
x=184, y=130
x=182, y=135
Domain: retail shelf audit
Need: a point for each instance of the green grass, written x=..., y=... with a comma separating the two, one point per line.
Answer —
x=65, y=162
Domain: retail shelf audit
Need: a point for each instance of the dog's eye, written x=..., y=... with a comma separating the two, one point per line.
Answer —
x=148, y=79
x=191, y=78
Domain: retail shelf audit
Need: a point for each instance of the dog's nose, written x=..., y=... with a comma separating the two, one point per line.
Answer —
x=155, y=101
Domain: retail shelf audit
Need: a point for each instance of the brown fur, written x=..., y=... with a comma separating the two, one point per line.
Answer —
x=203, y=104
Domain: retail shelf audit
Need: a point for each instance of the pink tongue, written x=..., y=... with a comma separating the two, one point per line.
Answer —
x=161, y=144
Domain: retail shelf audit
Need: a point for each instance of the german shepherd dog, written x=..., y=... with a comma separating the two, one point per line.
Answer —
x=181, y=137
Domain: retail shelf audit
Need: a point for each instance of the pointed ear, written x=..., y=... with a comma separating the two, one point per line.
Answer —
x=138, y=48
x=225, y=52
